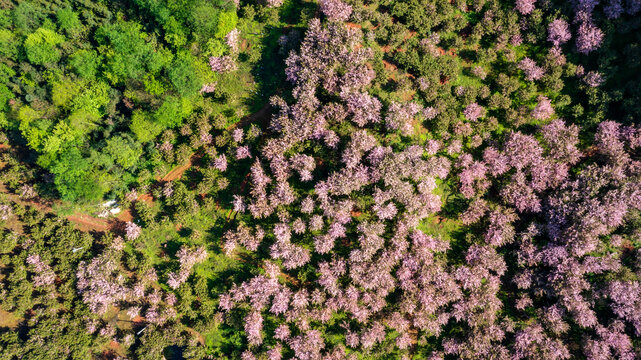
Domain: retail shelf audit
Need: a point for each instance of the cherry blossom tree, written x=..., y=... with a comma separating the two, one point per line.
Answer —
x=558, y=32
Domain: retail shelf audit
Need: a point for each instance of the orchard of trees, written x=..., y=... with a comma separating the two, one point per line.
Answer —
x=320, y=179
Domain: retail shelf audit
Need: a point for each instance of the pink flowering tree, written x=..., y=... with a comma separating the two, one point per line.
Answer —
x=588, y=38
x=132, y=231
x=559, y=32
x=543, y=109
x=188, y=258
x=335, y=10
x=525, y=7
x=531, y=70
x=474, y=111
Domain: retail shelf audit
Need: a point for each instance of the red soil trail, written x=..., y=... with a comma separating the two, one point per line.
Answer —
x=178, y=172
x=260, y=116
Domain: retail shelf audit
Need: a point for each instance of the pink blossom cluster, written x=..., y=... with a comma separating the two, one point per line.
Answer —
x=187, y=258
x=559, y=32
x=543, y=109
x=232, y=41
x=274, y=3
x=5, y=211
x=525, y=7
x=473, y=112
x=335, y=10
x=208, y=88
x=132, y=231
x=531, y=69
x=222, y=64
x=44, y=274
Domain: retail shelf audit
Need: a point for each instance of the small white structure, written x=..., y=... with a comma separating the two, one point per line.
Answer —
x=109, y=208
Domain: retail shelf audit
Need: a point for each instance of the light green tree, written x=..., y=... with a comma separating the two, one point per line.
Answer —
x=41, y=46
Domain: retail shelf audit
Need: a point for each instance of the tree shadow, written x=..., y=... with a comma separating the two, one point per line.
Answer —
x=270, y=74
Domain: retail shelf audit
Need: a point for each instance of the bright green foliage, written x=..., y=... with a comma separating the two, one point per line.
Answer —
x=5, y=96
x=62, y=134
x=124, y=151
x=8, y=44
x=4, y=123
x=153, y=86
x=63, y=92
x=68, y=21
x=85, y=63
x=41, y=46
x=82, y=121
x=6, y=73
x=33, y=128
x=5, y=18
x=74, y=178
x=93, y=99
x=183, y=75
x=108, y=80
x=128, y=55
x=174, y=33
x=144, y=129
x=173, y=111
x=216, y=47
x=226, y=22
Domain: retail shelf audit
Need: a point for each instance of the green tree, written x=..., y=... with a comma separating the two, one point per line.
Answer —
x=93, y=99
x=83, y=122
x=203, y=21
x=41, y=46
x=124, y=151
x=64, y=91
x=33, y=127
x=183, y=76
x=74, y=177
x=8, y=44
x=27, y=16
x=61, y=135
x=6, y=73
x=128, y=55
x=226, y=22
x=144, y=129
x=68, y=21
x=85, y=63
x=5, y=96
x=173, y=112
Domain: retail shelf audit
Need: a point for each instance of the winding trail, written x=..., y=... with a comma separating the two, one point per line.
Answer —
x=177, y=172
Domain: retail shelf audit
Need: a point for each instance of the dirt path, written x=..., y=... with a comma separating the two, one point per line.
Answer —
x=199, y=337
x=393, y=69
x=260, y=116
x=177, y=173
x=85, y=222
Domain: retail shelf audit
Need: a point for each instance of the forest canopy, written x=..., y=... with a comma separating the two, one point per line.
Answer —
x=320, y=179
